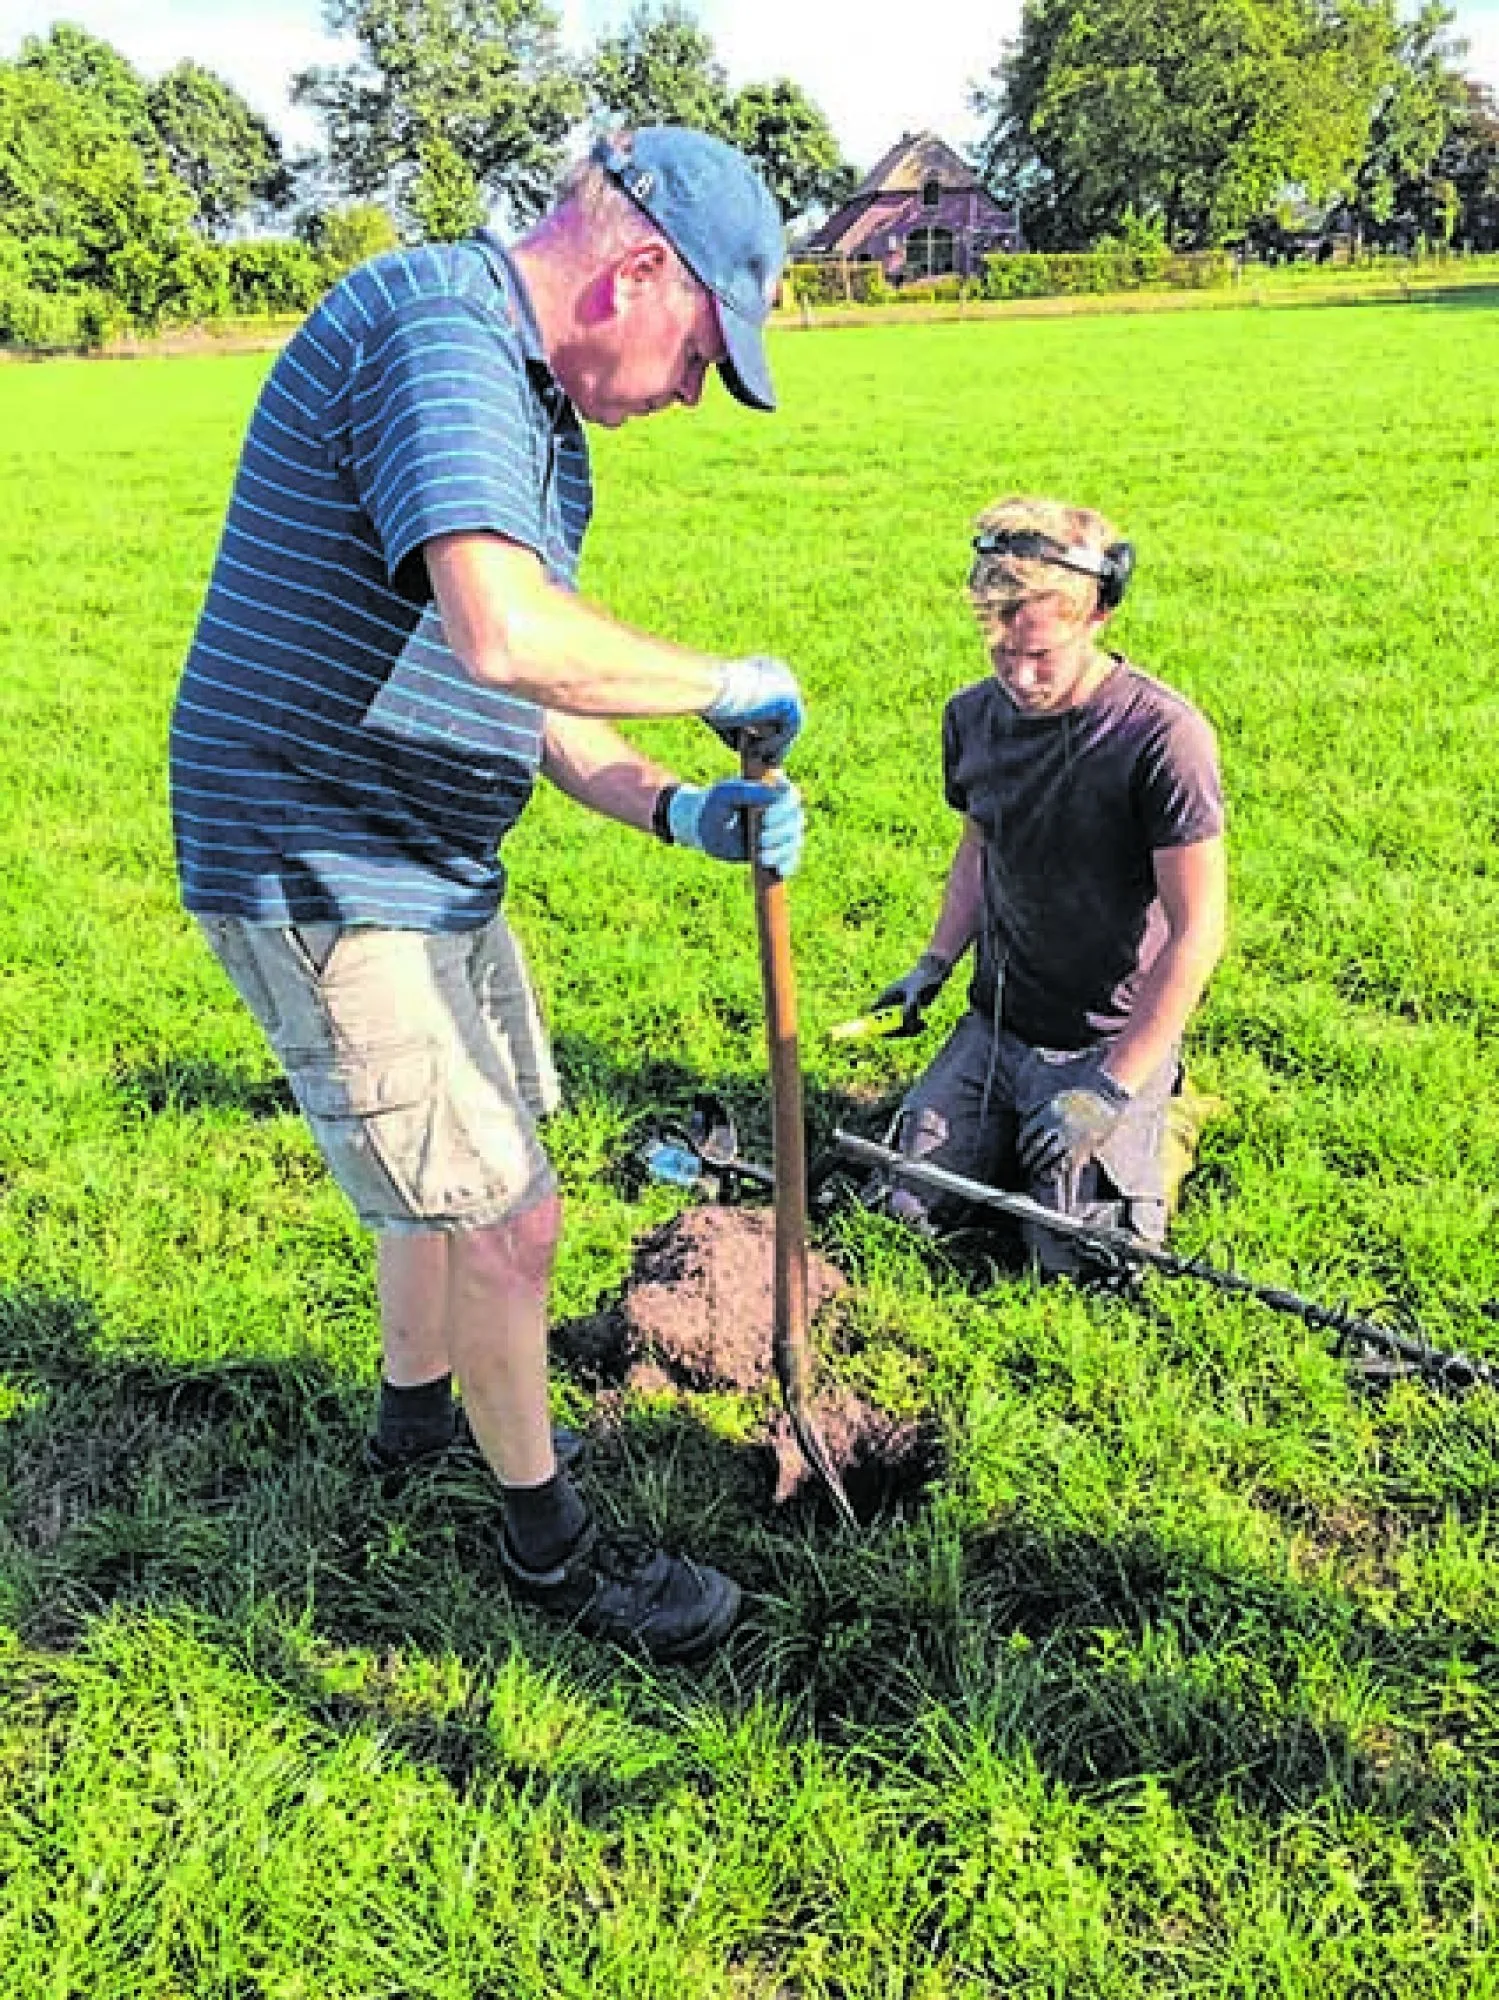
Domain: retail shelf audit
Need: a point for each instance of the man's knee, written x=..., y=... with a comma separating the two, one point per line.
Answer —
x=1093, y=1201
x=518, y=1251
x=920, y=1132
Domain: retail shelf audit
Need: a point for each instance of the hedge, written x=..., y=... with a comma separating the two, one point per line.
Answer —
x=271, y=274
x=1025, y=274
x=143, y=286
x=836, y=284
x=1032, y=275
x=54, y=321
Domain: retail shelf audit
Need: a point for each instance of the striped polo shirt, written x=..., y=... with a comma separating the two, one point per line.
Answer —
x=331, y=761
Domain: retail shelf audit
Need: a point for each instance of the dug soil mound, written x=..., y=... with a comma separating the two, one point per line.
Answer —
x=701, y=1296
x=696, y=1315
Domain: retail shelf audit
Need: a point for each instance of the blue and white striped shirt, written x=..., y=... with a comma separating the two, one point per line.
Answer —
x=331, y=760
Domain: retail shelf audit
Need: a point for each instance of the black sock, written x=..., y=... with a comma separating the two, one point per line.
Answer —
x=416, y=1419
x=543, y=1524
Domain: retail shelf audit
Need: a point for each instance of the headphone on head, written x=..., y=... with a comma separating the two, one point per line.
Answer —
x=1112, y=567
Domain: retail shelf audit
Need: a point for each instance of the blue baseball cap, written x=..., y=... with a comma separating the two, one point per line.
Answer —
x=722, y=221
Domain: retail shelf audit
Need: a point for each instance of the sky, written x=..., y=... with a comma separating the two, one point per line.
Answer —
x=873, y=88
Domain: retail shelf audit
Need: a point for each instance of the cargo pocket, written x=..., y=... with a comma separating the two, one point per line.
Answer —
x=378, y=1120
x=231, y=943
x=313, y=945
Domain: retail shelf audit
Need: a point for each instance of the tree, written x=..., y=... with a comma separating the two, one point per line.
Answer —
x=660, y=69
x=485, y=77
x=1197, y=111
x=344, y=237
x=83, y=203
x=793, y=145
x=218, y=147
x=82, y=62
x=444, y=197
x=1395, y=190
x=1469, y=162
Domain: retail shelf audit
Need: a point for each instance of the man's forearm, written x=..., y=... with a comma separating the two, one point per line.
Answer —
x=598, y=768
x=1193, y=887
x=512, y=628
x=568, y=656
x=1166, y=1001
x=962, y=902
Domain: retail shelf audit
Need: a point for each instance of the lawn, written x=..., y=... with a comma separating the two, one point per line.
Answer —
x=1184, y=1676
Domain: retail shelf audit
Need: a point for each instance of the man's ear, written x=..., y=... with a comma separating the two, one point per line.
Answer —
x=639, y=269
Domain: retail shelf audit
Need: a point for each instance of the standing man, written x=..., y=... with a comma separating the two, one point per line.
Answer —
x=1089, y=881
x=390, y=650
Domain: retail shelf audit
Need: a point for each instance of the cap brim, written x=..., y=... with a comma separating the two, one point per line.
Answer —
x=746, y=367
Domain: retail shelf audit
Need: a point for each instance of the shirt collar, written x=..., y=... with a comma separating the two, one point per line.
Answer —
x=517, y=297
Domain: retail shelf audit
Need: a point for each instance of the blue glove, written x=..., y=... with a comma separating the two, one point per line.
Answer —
x=758, y=706
x=715, y=820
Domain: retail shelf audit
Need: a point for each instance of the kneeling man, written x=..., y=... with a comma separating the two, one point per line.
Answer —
x=1089, y=881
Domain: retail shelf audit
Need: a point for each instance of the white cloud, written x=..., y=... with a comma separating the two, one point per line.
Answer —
x=873, y=82
x=257, y=45
x=874, y=87
x=1479, y=26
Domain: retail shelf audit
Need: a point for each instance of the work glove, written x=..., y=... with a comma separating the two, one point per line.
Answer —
x=1064, y=1131
x=759, y=707
x=715, y=820
x=914, y=992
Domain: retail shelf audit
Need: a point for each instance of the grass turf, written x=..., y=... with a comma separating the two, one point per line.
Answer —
x=1183, y=1679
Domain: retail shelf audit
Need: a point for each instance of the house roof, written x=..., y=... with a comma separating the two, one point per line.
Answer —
x=852, y=227
x=916, y=158
x=889, y=196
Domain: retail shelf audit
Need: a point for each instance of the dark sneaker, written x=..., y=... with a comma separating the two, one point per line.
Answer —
x=459, y=1453
x=620, y=1588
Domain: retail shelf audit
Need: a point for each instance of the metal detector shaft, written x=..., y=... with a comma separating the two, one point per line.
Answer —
x=791, y=1347
x=1454, y=1371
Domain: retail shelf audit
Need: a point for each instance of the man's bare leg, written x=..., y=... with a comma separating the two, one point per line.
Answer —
x=413, y=1273
x=497, y=1338
x=507, y=1269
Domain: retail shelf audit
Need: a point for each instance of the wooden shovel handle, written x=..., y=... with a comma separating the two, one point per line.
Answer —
x=790, y=1343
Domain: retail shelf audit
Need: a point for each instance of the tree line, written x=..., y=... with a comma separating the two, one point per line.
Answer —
x=1187, y=124
x=1210, y=122
x=127, y=202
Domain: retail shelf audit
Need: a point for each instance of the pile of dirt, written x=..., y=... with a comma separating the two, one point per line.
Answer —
x=696, y=1315
x=701, y=1295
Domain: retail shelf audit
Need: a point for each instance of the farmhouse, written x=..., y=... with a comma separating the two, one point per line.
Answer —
x=920, y=213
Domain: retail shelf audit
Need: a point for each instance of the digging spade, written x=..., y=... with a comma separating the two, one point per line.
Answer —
x=790, y=1346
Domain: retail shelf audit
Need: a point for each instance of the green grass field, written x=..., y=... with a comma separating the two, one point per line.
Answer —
x=1184, y=1679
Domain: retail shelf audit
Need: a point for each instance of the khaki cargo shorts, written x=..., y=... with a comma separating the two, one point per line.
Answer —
x=418, y=1058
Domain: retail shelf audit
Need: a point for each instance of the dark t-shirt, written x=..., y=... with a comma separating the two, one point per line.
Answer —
x=1072, y=807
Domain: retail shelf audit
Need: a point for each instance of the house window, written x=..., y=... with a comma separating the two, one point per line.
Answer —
x=929, y=253
x=931, y=194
